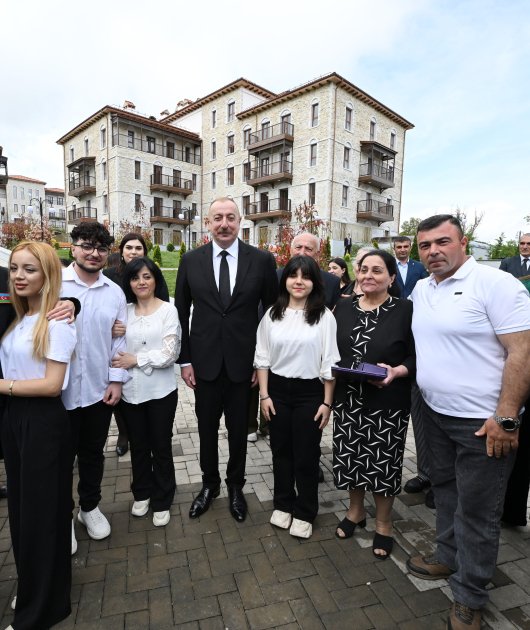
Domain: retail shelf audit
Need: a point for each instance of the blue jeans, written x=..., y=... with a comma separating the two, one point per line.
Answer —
x=469, y=489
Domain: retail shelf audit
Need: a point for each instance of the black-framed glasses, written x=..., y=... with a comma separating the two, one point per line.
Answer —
x=88, y=248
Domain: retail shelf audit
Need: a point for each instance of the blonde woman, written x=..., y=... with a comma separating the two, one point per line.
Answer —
x=35, y=355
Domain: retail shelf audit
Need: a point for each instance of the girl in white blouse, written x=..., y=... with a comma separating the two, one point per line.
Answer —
x=149, y=399
x=35, y=355
x=296, y=347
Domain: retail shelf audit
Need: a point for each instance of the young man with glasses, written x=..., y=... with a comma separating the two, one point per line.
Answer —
x=94, y=387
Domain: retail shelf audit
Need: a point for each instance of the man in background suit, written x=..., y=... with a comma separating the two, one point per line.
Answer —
x=225, y=281
x=347, y=245
x=410, y=271
x=515, y=502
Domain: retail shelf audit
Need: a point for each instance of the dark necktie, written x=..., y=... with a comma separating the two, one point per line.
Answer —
x=224, y=280
x=525, y=265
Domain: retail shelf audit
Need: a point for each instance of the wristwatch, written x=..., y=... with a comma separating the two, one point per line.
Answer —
x=507, y=423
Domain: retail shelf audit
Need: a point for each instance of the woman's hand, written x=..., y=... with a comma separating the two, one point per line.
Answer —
x=118, y=329
x=267, y=408
x=400, y=371
x=124, y=360
x=323, y=415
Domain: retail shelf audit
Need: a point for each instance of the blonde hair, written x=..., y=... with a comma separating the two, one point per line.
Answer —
x=50, y=291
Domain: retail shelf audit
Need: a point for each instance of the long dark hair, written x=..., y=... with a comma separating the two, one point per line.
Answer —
x=131, y=236
x=340, y=262
x=132, y=269
x=316, y=300
x=391, y=266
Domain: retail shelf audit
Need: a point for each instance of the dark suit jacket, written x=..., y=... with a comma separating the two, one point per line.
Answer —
x=513, y=265
x=331, y=287
x=219, y=336
x=416, y=271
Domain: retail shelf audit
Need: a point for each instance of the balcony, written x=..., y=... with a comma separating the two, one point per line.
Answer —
x=170, y=184
x=82, y=215
x=156, y=148
x=272, y=172
x=57, y=214
x=373, y=210
x=57, y=225
x=270, y=209
x=378, y=168
x=164, y=214
x=270, y=136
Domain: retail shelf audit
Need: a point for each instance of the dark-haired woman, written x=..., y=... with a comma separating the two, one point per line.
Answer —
x=132, y=246
x=296, y=347
x=339, y=268
x=371, y=418
x=149, y=399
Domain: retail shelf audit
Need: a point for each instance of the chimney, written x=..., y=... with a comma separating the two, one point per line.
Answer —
x=129, y=105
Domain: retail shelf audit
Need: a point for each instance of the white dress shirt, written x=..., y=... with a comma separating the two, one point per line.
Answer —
x=155, y=340
x=231, y=259
x=403, y=269
x=102, y=304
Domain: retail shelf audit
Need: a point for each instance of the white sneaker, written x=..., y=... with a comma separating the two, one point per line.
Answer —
x=252, y=437
x=281, y=519
x=95, y=522
x=14, y=603
x=10, y=627
x=74, y=540
x=161, y=518
x=301, y=529
x=140, y=508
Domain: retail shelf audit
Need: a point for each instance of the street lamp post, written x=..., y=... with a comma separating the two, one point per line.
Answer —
x=186, y=213
x=40, y=201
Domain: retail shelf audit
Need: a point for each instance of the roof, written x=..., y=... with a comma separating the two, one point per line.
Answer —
x=144, y=120
x=333, y=77
x=23, y=178
x=57, y=191
x=242, y=82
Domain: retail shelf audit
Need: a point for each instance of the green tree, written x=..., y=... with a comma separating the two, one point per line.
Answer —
x=469, y=226
x=157, y=255
x=502, y=248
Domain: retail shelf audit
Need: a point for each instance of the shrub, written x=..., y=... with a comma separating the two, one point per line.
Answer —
x=170, y=247
x=157, y=255
x=182, y=249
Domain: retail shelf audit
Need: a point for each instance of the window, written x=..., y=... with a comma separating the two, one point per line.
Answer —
x=392, y=139
x=265, y=130
x=246, y=236
x=103, y=137
x=130, y=139
x=21, y=192
x=71, y=154
x=158, y=236
x=105, y=204
x=14, y=192
x=372, y=130
x=264, y=167
x=230, y=143
x=22, y=208
x=187, y=154
x=344, y=196
x=311, y=193
x=194, y=181
x=246, y=204
x=170, y=150
x=104, y=170
x=137, y=169
x=214, y=150
x=231, y=111
x=213, y=180
x=246, y=137
x=194, y=209
x=214, y=118
x=314, y=115
x=246, y=171
x=348, y=118
x=346, y=161
x=60, y=201
x=86, y=147
x=177, y=237
x=150, y=144
x=230, y=176
x=313, y=154
x=30, y=193
x=177, y=208
x=286, y=124
x=15, y=206
x=137, y=203
x=177, y=178
x=194, y=239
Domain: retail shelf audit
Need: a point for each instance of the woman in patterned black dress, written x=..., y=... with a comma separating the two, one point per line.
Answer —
x=371, y=418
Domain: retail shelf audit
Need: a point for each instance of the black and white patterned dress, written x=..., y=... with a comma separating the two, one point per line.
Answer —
x=368, y=444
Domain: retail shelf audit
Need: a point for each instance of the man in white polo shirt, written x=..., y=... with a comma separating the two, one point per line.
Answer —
x=471, y=326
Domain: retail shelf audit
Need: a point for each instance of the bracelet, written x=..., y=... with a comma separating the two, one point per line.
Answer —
x=330, y=407
x=264, y=397
x=10, y=391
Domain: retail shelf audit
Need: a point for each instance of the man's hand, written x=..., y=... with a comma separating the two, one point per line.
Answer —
x=499, y=442
x=118, y=329
x=64, y=309
x=188, y=375
x=124, y=360
x=112, y=394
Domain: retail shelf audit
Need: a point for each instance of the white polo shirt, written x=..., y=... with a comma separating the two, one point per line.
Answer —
x=455, y=324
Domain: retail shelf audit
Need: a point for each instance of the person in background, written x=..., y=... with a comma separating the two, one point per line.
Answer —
x=410, y=271
x=149, y=399
x=296, y=347
x=339, y=268
x=347, y=245
x=35, y=355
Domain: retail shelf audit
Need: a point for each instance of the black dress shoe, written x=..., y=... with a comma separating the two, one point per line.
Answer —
x=202, y=501
x=122, y=445
x=416, y=484
x=3, y=492
x=429, y=500
x=238, y=504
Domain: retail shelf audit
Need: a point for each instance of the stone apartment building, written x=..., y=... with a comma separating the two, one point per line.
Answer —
x=326, y=143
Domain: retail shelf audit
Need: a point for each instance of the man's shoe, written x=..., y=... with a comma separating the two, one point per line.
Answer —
x=202, y=501
x=161, y=518
x=122, y=445
x=463, y=618
x=95, y=522
x=238, y=504
x=140, y=508
x=429, y=500
x=3, y=492
x=416, y=484
x=252, y=437
x=428, y=568
x=74, y=539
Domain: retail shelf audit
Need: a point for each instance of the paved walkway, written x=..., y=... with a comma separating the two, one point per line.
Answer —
x=213, y=573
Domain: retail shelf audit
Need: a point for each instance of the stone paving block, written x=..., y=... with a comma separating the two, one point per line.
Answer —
x=147, y=581
x=263, y=569
x=137, y=620
x=107, y=556
x=136, y=559
x=213, y=623
x=124, y=603
x=214, y=586
x=283, y=592
x=199, y=564
x=244, y=548
x=91, y=602
x=181, y=585
x=196, y=610
x=306, y=615
x=184, y=543
x=293, y=570
x=427, y=602
x=393, y=603
x=343, y=619
x=510, y=596
x=86, y=575
x=233, y=611
x=518, y=618
x=231, y=565
x=271, y=616
x=355, y=597
x=318, y=592
x=400, y=581
x=160, y=608
x=108, y=623
x=249, y=589
x=501, y=577
x=167, y=561
x=302, y=550
x=328, y=573
x=214, y=546
x=379, y=617
x=274, y=550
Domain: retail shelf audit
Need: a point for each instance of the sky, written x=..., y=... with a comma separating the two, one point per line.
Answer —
x=458, y=70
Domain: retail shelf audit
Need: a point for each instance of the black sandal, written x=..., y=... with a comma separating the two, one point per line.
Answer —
x=385, y=543
x=348, y=527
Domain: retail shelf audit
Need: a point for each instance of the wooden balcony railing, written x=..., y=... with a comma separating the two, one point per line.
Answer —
x=271, y=134
x=156, y=148
x=171, y=183
x=270, y=171
x=82, y=214
x=374, y=210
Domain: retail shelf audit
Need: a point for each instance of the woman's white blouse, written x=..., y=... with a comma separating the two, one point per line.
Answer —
x=155, y=340
x=290, y=347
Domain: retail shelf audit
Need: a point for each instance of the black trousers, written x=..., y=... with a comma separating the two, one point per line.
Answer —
x=516, y=500
x=212, y=398
x=36, y=442
x=295, y=444
x=417, y=409
x=150, y=429
x=90, y=429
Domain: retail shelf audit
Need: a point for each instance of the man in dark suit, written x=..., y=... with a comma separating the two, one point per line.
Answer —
x=347, y=245
x=410, y=271
x=515, y=502
x=225, y=281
